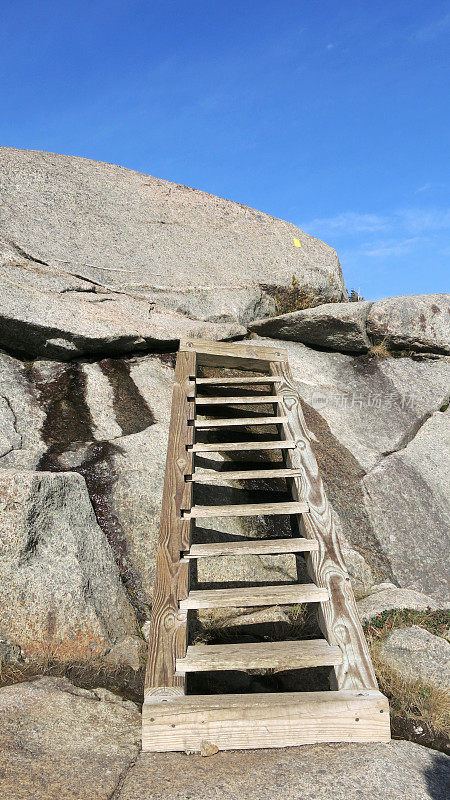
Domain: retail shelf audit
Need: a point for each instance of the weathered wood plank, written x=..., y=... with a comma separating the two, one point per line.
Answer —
x=327, y=567
x=243, y=474
x=279, y=594
x=237, y=381
x=234, y=422
x=247, y=547
x=168, y=623
x=238, y=356
x=262, y=655
x=266, y=720
x=248, y=510
x=261, y=400
x=223, y=447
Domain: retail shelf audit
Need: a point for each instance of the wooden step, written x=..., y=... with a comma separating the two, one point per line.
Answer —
x=255, y=596
x=223, y=447
x=263, y=655
x=282, y=719
x=234, y=422
x=244, y=474
x=226, y=401
x=248, y=510
x=247, y=547
x=244, y=380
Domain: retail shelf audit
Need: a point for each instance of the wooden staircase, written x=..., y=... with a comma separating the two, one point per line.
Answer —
x=353, y=710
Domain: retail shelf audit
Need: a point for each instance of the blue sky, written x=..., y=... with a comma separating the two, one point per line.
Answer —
x=333, y=115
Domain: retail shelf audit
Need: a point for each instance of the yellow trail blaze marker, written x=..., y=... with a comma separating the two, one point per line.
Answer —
x=297, y=242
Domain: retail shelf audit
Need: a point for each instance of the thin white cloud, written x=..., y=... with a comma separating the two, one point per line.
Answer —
x=392, y=248
x=425, y=188
x=417, y=219
x=406, y=220
x=348, y=222
x=430, y=32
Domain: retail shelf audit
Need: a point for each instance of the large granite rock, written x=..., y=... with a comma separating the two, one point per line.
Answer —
x=387, y=597
x=61, y=598
x=413, y=322
x=60, y=742
x=336, y=326
x=97, y=258
x=407, y=501
x=417, y=655
x=398, y=771
x=417, y=323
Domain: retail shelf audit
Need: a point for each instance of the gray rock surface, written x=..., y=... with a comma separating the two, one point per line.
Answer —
x=57, y=315
x=60, y=591
x=407, y=501
x=418, y=323
x=395, y=771
x=372, y=406
x=414, y=322
x=97, y=258
x=59, y=742
x=386, y=596
x=336, y=326
x=416, y=654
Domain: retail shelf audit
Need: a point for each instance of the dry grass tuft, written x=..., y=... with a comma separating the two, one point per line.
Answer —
x=380, y=350
x=415, y=706
x=416, y=701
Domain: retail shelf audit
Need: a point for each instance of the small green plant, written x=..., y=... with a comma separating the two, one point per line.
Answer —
x=436, y=622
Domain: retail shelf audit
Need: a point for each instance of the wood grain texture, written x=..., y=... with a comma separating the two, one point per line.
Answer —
x=237, y=356
x=265, y=720
x=262, y=655
x=247, y=547
x=248, y=510
x=168, y=623
x=223, y=447
x=243, y=474
x=327, y=567
x=279, y=594
x=262, y=399
x=246, y=380
x=235, y=422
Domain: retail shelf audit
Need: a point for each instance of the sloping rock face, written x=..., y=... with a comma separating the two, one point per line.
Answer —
x=96, y=258
x=60, y=742
x=60, y=593
x=414, y=322
x=417, y=323
x=337, y=326
x=398, y=770
x=407, y=498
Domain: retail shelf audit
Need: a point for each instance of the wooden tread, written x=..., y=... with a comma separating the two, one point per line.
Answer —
x=248, y=596
x=251, y=547
x=263, y=655
x=233, y=422
x=249, y=510
x=243, y=474
x=248, y=400
x=247, y=379
x=243, y=721
x=223, y=447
